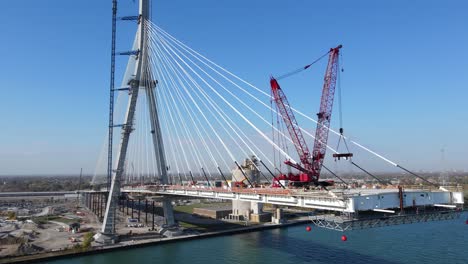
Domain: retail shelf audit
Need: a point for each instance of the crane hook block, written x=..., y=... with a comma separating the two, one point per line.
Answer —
x=343, y=155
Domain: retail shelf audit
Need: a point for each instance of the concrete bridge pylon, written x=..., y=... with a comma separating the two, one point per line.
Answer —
x=141, y=79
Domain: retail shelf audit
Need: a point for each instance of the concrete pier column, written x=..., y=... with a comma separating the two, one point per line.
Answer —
x=277, y=218
x=256, y=207
x=258, y=215
x=106, y=196
x=139, y=209
x=86, y=200
x=168, y=212
x=96, y=209
x=128, y=201
x=240, y=208
x=93, y=203
x=102, y=205
x=99, y=206
x=146, y=212
x=152, y=210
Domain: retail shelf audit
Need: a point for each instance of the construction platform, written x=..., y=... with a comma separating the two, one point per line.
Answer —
x=352, y=201
x=356, y=222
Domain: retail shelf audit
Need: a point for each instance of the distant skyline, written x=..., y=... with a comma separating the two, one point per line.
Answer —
x=404, y=84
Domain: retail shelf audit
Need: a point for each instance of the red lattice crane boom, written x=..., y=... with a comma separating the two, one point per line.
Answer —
x=311, y=162
x=293, y=128
x=325, y=112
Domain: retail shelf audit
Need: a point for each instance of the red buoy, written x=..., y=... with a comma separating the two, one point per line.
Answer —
x=344, y=238
x=466, y=222
x=308, y=228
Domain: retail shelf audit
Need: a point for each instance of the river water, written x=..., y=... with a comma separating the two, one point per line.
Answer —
x=433, y=242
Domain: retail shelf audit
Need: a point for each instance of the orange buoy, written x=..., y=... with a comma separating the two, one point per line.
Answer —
x=344, y=238
x=308, y=228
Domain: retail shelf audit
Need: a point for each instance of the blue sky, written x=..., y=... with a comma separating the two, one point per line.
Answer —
x=404, y=85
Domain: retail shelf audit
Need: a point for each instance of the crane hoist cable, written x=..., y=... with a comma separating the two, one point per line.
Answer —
x=348, y=154
x=273, y=133
x=286, y=75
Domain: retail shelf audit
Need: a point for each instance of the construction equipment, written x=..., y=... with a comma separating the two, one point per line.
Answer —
x=311, y=163
x=239, y=184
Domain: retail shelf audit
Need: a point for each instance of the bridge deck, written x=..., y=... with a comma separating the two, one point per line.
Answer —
x=347, y=200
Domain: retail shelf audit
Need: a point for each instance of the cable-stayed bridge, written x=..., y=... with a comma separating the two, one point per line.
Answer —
x=189, y=127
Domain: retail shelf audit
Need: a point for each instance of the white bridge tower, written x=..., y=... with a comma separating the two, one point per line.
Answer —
x=141, y=80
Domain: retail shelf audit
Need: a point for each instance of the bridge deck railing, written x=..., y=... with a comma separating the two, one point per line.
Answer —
x=264, y=191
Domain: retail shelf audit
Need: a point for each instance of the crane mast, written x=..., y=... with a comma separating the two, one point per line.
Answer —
x=311, y=162
x=325, y=112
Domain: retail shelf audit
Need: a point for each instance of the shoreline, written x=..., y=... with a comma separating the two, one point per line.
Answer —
x=42, y=257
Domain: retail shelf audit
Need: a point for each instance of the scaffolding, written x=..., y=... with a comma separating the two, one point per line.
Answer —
x=346, y=222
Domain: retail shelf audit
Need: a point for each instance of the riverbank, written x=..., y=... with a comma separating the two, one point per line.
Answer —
x=144, y=242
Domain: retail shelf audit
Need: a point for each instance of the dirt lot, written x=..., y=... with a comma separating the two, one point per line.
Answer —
x=45, y=228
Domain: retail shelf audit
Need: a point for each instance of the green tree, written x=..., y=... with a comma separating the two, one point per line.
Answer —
x=87, y=239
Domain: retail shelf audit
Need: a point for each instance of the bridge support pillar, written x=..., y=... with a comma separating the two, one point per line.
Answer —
x=98, y=206
x=106, y=196
x=152, y=210
x=251, y=211
x=139, y=209
x=93, y=203
x=85, y=200
x=256, y=208
x=277, y=218
x=96, y=203
x=127, y=202
x=168, y=212
x=240, y=208
x=146, y=212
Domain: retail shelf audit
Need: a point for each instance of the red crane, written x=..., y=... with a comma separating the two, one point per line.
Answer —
x=311, y=163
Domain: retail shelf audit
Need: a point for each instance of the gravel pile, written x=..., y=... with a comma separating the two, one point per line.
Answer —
x=27, y=248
